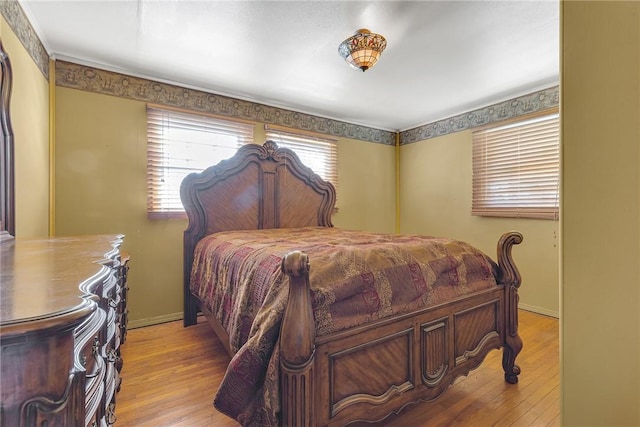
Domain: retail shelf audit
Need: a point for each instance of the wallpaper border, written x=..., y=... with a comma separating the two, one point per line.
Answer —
x=19, y=23
x=526, y=104
x=81, y=77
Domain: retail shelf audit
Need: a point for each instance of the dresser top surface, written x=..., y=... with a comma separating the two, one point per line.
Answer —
x=44, y=278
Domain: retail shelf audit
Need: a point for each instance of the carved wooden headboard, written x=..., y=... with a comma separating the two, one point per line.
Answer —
x=261, y=186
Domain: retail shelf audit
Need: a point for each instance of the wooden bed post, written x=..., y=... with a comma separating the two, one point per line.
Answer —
x=297, y=348
x=510, y=278
x=190, y=305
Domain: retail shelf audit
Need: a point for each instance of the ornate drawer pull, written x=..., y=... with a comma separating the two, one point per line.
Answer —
x=111, y=415
x=112, y=357
x=95, y=349
x=95, y=352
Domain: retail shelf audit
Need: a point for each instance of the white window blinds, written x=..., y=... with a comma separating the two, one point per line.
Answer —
x=516, y=169
x=179, y=143
x=320, y=154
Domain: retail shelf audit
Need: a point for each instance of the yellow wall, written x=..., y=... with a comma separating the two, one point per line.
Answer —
x=101, y=188
x=30, y=119
x=600, y=213
x=435, y=198
x=366, y=175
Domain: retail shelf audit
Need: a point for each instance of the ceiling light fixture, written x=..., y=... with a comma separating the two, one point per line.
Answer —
x=363, y=49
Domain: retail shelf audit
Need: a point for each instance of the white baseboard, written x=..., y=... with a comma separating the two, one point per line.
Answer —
x=539, y=310
x=149, y=321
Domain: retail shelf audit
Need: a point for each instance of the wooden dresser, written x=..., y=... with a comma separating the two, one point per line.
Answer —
x=62, y=321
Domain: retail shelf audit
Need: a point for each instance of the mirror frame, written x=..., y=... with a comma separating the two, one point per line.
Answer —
x=7, y=172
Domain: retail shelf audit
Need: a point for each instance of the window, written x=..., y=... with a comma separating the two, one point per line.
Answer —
x=516, y=169
x=179, y=143
x=318, y=153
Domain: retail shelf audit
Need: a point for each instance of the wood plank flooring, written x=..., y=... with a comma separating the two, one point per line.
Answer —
x=171, y=373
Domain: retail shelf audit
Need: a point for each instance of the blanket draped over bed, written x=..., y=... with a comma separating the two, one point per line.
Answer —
x=355, y=277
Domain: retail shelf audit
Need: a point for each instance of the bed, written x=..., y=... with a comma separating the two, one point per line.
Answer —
x=314, y=346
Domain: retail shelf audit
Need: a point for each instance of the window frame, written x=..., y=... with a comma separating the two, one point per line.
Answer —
x=516, y=168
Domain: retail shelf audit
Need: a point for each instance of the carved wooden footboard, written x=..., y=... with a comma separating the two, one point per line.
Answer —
x=369, y=372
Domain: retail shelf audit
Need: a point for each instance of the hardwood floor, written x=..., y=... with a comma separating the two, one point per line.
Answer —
x=171, y=373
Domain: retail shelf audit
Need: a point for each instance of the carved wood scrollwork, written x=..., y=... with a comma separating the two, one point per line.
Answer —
x=510, y=278
x=42, y=410
x=111, y=414
x=270, y=148
x=509, y=273
x=434, y=352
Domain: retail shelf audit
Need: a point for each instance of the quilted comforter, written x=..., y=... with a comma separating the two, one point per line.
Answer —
x=355, y=277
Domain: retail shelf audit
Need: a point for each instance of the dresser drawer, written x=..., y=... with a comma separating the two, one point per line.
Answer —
x=93, y=400
x=111, y=383
x=92, y=421
x=87, y=347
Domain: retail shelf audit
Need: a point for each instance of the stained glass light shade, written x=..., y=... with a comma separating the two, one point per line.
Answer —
x=363, y=49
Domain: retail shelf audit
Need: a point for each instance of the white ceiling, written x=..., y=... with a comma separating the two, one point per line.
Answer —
x=442, y=58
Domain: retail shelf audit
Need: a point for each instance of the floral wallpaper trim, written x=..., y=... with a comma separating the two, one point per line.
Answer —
x=17, y=20
x=96, y=80
x=531, y=103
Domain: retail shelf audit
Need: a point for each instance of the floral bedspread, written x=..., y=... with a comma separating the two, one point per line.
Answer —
x=355, y=277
